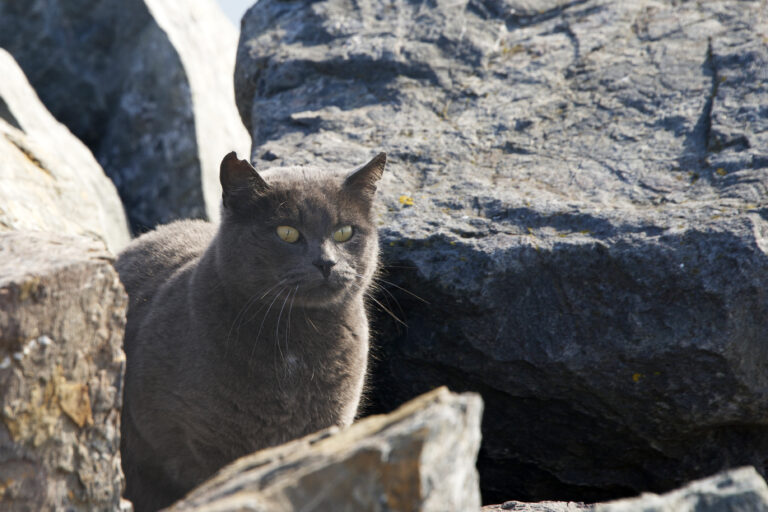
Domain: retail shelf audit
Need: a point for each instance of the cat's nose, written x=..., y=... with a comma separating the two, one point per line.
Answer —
x=325, y=266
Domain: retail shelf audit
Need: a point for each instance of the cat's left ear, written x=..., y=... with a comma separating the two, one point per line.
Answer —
x=362, y=181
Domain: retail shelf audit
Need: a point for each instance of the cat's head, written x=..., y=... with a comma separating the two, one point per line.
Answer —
x=298, y=233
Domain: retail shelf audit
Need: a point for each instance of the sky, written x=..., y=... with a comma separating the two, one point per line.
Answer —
x=234, y=9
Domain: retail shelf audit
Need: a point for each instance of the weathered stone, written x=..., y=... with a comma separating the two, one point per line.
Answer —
x=580, y=197
x=62, y=315
x=49, y=180
x=146, y=84
x=740, y=489
x=737, y=490
x=542, y=506
x=420, y=457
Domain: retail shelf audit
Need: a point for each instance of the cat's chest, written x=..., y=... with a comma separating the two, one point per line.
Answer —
x=294, y=397
x=301, y=366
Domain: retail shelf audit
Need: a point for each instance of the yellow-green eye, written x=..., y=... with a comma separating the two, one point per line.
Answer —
x=343, y=234
x=288, y=234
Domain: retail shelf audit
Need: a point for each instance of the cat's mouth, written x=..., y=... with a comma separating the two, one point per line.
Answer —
x=321, y=288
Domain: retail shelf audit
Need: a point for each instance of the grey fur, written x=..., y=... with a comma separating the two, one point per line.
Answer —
x=236, y=340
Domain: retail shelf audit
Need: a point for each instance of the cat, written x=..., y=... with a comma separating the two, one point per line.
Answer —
x=248, y=334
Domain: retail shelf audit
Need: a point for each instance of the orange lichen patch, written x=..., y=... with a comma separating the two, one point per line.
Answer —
x=406, y=200
x=721, y=171
x=75, y=402
x=636, y=377
x=34, y=418
x=29, y=288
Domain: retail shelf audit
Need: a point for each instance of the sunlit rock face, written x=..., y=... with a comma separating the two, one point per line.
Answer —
x=146, y=84
x=49, y=180
x=62, y=317
x=577, y=191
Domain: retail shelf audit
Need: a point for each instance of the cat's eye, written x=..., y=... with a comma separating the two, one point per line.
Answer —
x=288, y=234
x=343, y=234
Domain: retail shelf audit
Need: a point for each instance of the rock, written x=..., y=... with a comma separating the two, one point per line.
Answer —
x=62, y=315
x=740, y=489
x=50, y=180
x=146, y=84
x=578, y=194
x=420, y=457
x=543, y=506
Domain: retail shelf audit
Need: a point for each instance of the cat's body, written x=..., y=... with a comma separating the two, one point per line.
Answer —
x=238, y=339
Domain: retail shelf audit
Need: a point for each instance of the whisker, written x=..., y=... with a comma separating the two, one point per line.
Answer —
x=258, y=334
x=290, y=308
x=377, y=286
x=388, y=296
x=241, y=314
x=262, y=306
x=402, y=289
x=277, y=327
x=388, y=311
x=310, y=322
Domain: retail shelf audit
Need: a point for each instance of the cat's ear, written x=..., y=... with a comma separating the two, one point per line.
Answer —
x=362, y=181
x=239, y=179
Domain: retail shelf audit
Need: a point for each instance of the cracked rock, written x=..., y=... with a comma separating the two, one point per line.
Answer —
x=420, y=457
x=580, y=198
x=62, y=316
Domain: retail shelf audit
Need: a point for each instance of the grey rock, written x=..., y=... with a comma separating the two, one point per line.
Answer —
x=62, y=316
x=49, y=180
x=542, y=506
x=737, y=490
x=146, y=84
x=580, y=198
x=420, y=457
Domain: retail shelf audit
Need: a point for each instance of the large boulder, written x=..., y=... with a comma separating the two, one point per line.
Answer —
x=578, y=190
x=62, y=316
x=146, y=84
x=420, y=457
x=49, y=180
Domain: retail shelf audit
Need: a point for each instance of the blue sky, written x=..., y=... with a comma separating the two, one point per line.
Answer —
x=234, y=9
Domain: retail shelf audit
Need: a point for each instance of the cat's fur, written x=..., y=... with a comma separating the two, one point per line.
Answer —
x=237, y=340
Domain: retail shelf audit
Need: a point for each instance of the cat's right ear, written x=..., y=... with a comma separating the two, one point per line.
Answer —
x=239, y=180
x=363, y=180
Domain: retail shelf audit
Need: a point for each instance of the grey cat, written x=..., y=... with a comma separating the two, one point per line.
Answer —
x=248, y=334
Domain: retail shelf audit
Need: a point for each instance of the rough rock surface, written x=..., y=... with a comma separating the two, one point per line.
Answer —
x=420, y=457
x=62, y=315
x=49, y=180
x=578, y=189
x=146, y=84
x=542, y=506
x=737, y=490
